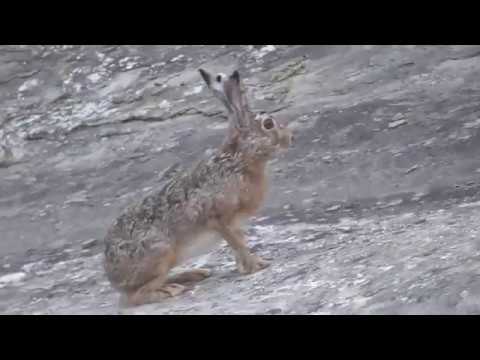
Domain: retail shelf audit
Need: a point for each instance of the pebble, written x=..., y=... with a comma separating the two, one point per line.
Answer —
x=412, y=169
x=333, y=208
x=345, y=229
x=395, y=124
x=179, y=57
x=393, y=203
x=164, y=104
x=307, y=201
x=28, y=268
x=89, y=243
x=398, y=116
x=420, y=221
x=417, y=196
x=85, y=252
x=274, y=311
x=327, y=158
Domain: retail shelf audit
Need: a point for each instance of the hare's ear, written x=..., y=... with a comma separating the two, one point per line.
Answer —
x=228, y=89
x=236, y=98
x=216, y=85
x=235, y=93
x=205, y=76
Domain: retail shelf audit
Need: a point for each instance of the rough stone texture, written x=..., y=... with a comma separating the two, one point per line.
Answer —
x=374, y=210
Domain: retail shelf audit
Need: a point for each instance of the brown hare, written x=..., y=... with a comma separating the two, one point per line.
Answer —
x=197, y=207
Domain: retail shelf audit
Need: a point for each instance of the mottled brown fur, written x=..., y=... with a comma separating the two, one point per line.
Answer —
x=211, y=199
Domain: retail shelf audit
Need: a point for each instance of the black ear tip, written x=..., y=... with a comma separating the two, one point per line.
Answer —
x=204, y=75
x=235, y=75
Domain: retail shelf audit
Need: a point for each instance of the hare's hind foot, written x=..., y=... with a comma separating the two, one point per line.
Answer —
x=155, y=291
x=160, y=289
x=190, y=276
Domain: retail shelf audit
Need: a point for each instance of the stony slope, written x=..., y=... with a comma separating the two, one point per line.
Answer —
x=374, y=210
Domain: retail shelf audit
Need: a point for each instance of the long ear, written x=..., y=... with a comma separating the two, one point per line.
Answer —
x=206, y=76
x=228, y=91
x=236, y=98
x=216, y=86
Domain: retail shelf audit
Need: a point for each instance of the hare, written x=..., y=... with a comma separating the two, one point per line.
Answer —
x=198, y=207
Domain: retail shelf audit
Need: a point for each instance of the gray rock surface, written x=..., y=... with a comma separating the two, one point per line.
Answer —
x=374, y=209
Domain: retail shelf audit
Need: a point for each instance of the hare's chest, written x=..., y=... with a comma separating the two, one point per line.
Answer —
x=252, y=194
x=197, y=245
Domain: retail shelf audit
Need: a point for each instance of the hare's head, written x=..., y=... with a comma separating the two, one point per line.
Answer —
x=260, y=134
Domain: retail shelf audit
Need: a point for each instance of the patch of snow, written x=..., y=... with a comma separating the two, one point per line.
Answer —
x=11, y=278
x=264, y=51
x=28, y=85
x=176, y=58
x=194, y=91
x=94, y=78
x=468, y=205
x=164, y=104
x=472, y=124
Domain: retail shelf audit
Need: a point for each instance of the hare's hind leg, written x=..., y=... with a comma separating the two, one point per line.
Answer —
x=158, y=288
x=189, y=277
x=155, y=291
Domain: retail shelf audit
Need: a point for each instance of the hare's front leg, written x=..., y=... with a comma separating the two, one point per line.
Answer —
x=247, y=263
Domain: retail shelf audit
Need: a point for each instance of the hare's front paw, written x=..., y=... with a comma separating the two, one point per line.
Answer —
x=251, y=263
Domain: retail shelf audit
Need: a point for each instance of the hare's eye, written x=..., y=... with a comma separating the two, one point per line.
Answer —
x=268, y=124
x=219, y=78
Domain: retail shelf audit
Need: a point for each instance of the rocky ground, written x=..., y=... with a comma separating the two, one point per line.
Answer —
x=373, y=211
